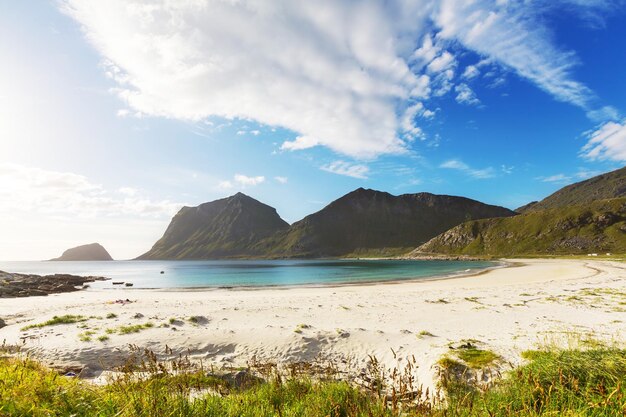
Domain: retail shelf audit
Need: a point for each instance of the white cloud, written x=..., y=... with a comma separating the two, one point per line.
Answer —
x=30, y=189
x=471, y=71
x=240, y=180
x=129, y=191
x=411, y=130
x=428, y=114
x=442, y=62
x=511, y=34
x=245, y=180
x=282, y=180
x=581, y=174
x=345, y=168
x=225, y=185
x=604, y=114
x=558, y=178
x=465, y=95
x=338, y=73
x=608, y=142
x=301, y=142
x=463, y=167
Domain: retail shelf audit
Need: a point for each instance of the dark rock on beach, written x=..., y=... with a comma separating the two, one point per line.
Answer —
x=28, y=285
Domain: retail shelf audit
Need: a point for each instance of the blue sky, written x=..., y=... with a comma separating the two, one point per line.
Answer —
x=114, y=114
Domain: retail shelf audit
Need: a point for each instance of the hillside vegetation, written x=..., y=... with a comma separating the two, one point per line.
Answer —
x=599, y=227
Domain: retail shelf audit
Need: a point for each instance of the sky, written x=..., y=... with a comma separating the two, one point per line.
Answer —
x=115, y=114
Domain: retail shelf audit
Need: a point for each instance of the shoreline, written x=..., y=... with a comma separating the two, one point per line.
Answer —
x=508, y=309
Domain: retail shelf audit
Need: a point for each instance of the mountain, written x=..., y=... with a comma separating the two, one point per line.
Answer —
x=602, y=187
x=229, y=227
x=91, y=252
x=369, y=222
x=599, y=227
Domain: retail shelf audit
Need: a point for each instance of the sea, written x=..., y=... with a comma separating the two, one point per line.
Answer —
x=249, y=273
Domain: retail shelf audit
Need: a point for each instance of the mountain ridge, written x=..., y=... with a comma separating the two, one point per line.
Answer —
x=362, y=220
x=228, y=227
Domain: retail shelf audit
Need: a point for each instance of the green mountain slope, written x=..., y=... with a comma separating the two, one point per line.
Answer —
x=602, y=187
x=369, y=222
x=599, y=226
x=224, y=228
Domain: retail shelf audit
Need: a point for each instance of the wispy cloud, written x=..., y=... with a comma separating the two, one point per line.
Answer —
x=558, y=178
x=281, y=180
x=608, y=142
x=507, y=33
x=465, y=95
x=463, y=167
x=345, y=74
x=345, y=168
x=580, y=175
x=245, y=180
x=240, y=180
x=31, y=189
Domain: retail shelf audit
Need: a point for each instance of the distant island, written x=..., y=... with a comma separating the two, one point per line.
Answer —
x=90, y=252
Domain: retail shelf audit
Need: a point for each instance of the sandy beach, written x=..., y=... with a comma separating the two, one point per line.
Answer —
x=507, y=310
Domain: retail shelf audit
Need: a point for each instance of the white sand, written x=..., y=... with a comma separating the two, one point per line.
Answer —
x=509, y=310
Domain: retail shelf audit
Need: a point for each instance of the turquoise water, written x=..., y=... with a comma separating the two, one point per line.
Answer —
x=249, y=273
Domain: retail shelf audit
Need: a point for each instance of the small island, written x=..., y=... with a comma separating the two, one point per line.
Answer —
x=91, y=252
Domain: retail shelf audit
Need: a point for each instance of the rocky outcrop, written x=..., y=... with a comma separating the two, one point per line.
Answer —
x=91, y=252
x=27, y=285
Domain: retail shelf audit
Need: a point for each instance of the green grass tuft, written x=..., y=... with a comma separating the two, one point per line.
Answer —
x=477, y=358
x=133, y=328
x=56, y=320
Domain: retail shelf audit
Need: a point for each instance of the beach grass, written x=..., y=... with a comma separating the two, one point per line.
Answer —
x=56, y=320
x=553, y=382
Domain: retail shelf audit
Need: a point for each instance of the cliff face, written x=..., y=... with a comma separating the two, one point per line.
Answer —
x=599, y=227
x=229, y=227
x=91, y=252
x=369, y=222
